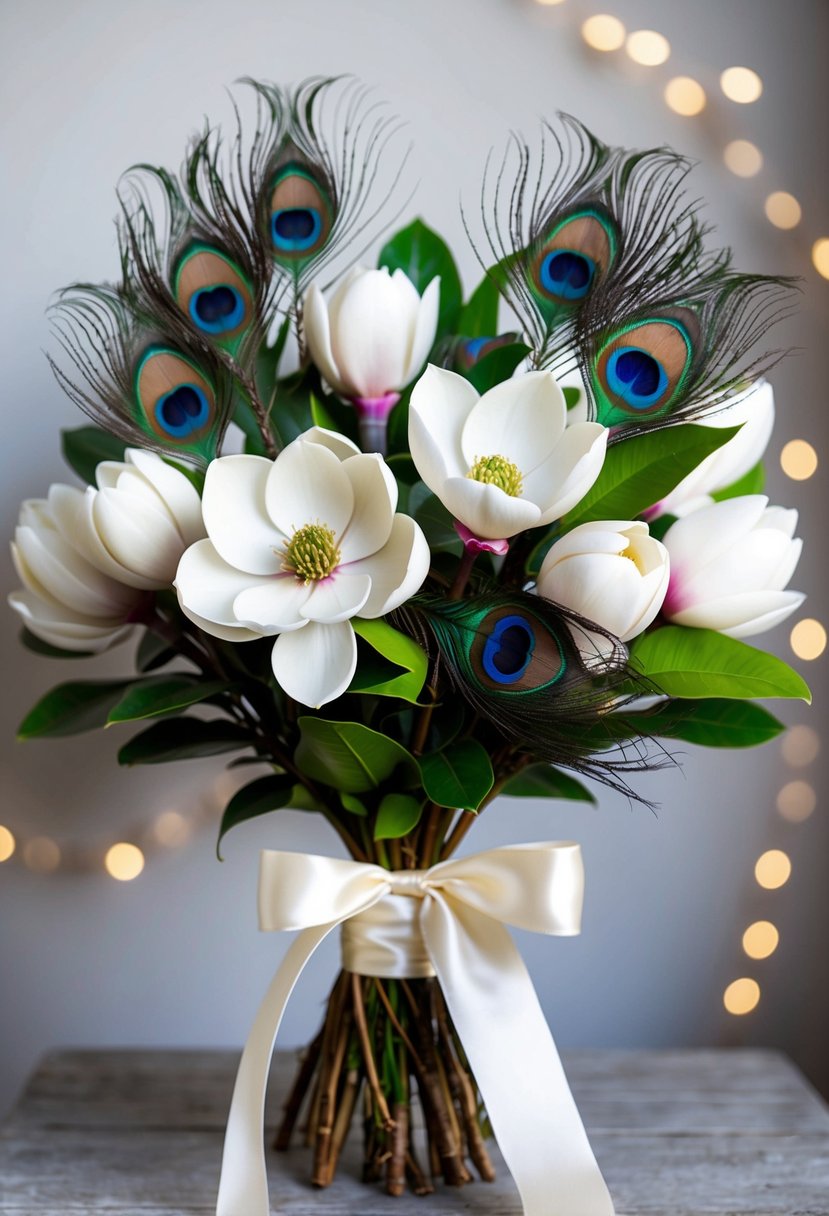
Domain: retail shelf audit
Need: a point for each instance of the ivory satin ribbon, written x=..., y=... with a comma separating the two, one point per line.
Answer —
x=447, y=921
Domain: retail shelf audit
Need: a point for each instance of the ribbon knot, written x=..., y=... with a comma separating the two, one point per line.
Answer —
x=449, y=921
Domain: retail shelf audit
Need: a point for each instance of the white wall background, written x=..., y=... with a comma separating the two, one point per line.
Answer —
x=90, y=86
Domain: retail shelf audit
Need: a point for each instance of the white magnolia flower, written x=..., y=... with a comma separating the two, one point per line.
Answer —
x=374, y=334
x=730, y=563
x=751, y=410
x=612, y=572
x=506, y=461
x=295, y=548
x=66, y=601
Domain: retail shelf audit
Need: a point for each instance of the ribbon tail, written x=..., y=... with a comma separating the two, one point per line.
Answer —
x=506, y=1039
x=243, y=1186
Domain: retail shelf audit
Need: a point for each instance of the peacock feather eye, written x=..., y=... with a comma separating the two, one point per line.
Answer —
x=515, y=652
x=470, y=351
x=300, y=215
x=177, y=402
x=571, y=258
x=214, y=293
x=641, y=368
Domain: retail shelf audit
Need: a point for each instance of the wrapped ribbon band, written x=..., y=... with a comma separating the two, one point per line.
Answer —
x=453, y=925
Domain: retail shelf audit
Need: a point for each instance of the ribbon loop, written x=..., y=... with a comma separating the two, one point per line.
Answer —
x=447, y=921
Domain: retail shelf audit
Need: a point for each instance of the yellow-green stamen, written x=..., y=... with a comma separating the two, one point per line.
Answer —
x=500, y=472
x=311, y=553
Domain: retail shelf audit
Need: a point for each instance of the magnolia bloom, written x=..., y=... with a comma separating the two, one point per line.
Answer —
x=506, y=461
x=730, y=563
x=372, y=337
x=297, y=547
x=612, y=572
x=66, y=601
x=753, y=412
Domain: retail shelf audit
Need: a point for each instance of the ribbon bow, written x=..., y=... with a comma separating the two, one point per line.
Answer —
x=459, y=919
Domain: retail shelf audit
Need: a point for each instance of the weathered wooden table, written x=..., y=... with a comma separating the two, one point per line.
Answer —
x=679, y=1133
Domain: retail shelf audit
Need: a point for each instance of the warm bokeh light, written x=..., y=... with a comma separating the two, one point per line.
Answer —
x=124, y=861
x=798, y=459
x=603, y=32
x=685, y=96
x=783, y=210
x=171, y=829
x=743, y=158
x=796, y=801
x=808, y=639
x=820, y=256
x=7, y=843
x=741, y=84
x=648, y=48
x=741, y=996
x=773, y=869
x=549, y=3
x=761, y=939
x=41, y=854
x=800, y=746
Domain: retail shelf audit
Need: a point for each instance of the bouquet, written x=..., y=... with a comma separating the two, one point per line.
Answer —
x=403, y=561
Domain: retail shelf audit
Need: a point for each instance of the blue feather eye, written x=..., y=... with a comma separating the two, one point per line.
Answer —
x=513, y=653
x=295, y=229
x=299, y=221
x=182, y=411
x=508, y=649
x=176, y=400
x=213, y=292
x=570, y=258
x=642, y=367
x=567, y=274
x=636, y=377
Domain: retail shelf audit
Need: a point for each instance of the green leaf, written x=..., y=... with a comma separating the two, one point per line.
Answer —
x=163, y=695
x=332, y=414
x=713, y=723
x=572, y=395
x=402, y=651
x=72, y=708
x=350, y=756
x=639, y=472
x=183, y=739
x=544, y=781
x=153, y=652
x=479, y=315
x=352, y=804
x=459, y=776
x=84, y=447
x=752, y=482
x=38, y=646
x=421, y=254
x=698, y=663
x=496, y=366
x=436, y=522
x=259, y=798
x=398, y=814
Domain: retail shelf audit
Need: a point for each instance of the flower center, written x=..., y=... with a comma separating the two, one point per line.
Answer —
x=500, y=472
x=632, y=556
x=311, y=553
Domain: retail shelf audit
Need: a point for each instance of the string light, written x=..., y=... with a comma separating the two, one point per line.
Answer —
x=783, y=210
x=41, y=854
x=7, y=843
x=741, y=85
x=603, y=32
x=124, y=861
x=798, y=459
x=171, y=829
x=685, y=96
x=773, y=869
x=796, y=801
x=808, y=639
x=800, y=746
x=820, y=256
x=743, y=158
x=549, y=3
x=648, y=48
x=761, y=939
x=741, y=996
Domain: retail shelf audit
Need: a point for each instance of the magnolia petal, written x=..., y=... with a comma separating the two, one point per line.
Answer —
x=486, y=510
x=522, y=419
x=137, y=535
x=176, y=491
x=40, y=618
x=371, y=337
x=425, y=328
x=398, y=570
x=375, y=500
x=225, y=633
x=563, y=480
x=72, y=511
x=67, y=577
x=315, y=321
x=316, y=664
x=208, y=585
x=308, y=484
x=705, y=535
x=236, y=517
x=333, y=440
x=439, y=406
x=337, y=598
x=741, y=616
x=273, y=606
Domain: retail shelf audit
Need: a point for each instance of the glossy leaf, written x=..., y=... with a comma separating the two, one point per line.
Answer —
x=153, y=652
x=479, y=315
x=544, y=781
x=408, y=659
x=350, y=756
x=717, y=722
x=496, y=366
x=421, y=254
x=459, y=776
x=259, y=798
x=699, y=663
x=752, y=482
x=163, y=695
x=183, y=739
x=436, y=522
x=72, y=708
x=84, y=447
x=397, y=816
x=639, y=472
